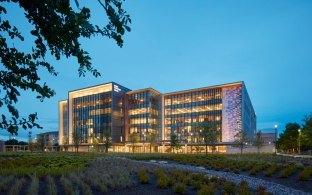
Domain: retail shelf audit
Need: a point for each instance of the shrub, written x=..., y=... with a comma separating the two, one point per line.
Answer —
x=229, y=188
x=272, y=169
x=51, y=186
x=206, y=190
x=261, y=190
x=200, y=177
x=243, y=188
x=159, y=173
x=257, y=168
x=34, y=186
x=187, y=180
x=196, y=184
x=68, y=187
x=287, y=171
x=305, y=174
x=179, y=188
x=162, y=182
x=143, y=176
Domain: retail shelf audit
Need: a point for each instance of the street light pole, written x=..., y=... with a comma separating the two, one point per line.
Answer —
x=299, y=130
x=275, y=128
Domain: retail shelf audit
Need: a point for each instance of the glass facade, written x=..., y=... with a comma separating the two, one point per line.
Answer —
x=95, y=110
x=112, y=107
x=144, y=113
x=183, y=111
x=63, y=122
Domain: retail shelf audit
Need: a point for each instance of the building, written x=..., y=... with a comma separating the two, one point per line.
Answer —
x=149, y=113
x=48, y=139
x=268, y=137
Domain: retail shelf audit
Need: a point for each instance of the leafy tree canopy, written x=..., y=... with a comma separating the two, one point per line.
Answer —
x=288, y=140
x=209, y=133
x=57, y=27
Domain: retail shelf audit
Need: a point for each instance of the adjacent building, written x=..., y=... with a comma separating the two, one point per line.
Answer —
x=149, y=113
x=49, y=139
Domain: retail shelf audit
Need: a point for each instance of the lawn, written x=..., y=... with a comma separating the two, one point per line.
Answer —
x=98, y=173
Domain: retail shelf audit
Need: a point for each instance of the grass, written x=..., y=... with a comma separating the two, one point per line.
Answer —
x=34, y=186
x=143, y=176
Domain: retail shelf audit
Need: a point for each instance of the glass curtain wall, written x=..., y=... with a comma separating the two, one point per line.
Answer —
x=185, y=111
x=144, y=114
x=92, y=115
x=65, y=123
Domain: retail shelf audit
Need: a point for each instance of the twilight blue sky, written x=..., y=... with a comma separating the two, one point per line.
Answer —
x=177, y=44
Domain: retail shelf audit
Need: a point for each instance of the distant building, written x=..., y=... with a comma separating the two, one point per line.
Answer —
x=49, y=138
x=268, y=137
x=147, y=112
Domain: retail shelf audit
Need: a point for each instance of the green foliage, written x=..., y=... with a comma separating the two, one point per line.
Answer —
x=11, y=142
x=243, y=189
x=77, y=138
x=163, y=182
x=240, y=139
x=206, y=190
x=271, y=169
x=175, y=142
x=43, y=164
x=229, y=188
x=134, y=138
x=257, y=168
x=107, y=138
x=51, y=185
x=143, y=176
x=306, y=134
x=179, y=188
x=305, y=174
x=57, y=29
x=67, y=185
x=288, y=140
x=208, y=133
x=287, y=171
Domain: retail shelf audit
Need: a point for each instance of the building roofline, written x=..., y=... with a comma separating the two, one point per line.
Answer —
x=145, y=89
x=204, y=88
x=84, y=88
x=47, y=132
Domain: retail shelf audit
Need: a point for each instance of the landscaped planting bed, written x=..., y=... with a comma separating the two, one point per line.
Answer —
x=88, y=173
x=283, y=170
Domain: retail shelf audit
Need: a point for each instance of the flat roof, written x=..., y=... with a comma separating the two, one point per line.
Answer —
x=95, y=86
x=142, y=90
x=205, y=88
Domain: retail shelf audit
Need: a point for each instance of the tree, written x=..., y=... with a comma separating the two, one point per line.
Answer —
x=240, y=139
x=40, y=143
x=11, y=142
x=175, y=142
x=57, y=29
x=288, y=140
x=77, y=136
x=134, y=138
x=209, y=134
x=258, y=141
x=95, y=144
x=65, y=142
x=107, y=138
x=306, y=134
x=151, y=138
